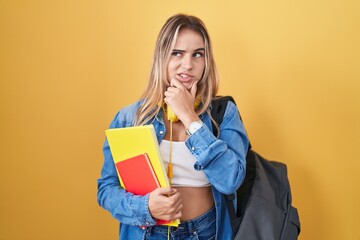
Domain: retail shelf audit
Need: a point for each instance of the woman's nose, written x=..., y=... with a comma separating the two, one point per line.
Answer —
x=187, y=62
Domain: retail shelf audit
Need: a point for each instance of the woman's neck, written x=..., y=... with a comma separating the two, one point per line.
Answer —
x=178, y=130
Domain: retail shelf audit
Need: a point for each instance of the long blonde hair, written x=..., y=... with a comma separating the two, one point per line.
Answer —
x=154, y=93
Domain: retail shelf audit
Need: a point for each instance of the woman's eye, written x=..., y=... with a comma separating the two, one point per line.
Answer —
x=198, y=54
x=176, y=53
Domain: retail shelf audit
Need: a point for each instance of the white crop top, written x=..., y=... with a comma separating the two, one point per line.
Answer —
x=183, y=162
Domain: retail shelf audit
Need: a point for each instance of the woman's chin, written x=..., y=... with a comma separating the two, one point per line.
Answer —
x=188, y=85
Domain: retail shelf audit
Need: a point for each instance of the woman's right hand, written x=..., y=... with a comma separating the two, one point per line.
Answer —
x=182, y=101
x=165, y=204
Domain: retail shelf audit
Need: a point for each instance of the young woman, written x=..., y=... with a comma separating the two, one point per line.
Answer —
x=205, y=167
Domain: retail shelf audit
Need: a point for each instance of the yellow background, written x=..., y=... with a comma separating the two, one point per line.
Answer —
x=66, y=67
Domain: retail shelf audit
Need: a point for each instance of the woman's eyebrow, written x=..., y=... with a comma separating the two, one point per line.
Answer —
x=178, y=50
x=196, y=50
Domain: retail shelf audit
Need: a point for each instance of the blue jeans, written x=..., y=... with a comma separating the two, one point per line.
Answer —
x=200, y=228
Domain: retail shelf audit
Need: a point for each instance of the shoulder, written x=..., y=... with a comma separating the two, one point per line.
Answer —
x=228, y=109
x=224, y=105
x=131, y=107
x=231, y=108
x=126, y=116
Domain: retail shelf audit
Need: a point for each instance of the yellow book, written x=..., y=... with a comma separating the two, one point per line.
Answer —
x=128, y=142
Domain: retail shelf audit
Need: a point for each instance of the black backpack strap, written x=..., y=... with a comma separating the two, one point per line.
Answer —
x=218, y=110
x=219, y=105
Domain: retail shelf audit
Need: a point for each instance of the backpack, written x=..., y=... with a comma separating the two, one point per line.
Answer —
x=264, y=210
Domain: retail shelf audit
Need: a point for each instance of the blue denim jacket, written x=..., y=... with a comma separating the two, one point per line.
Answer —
x=222, y=160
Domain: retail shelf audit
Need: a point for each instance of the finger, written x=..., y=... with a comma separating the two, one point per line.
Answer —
x=168, y=93
x=171, y=93
x=175, y=201
x=172, y=90
x=176, y=196
x=177, y=215
x=176, y=83
x=166, y=191
x=194, y=89
x=174, y=213
x=178, y=207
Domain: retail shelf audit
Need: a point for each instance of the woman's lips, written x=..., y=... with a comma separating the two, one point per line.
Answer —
x=185, y=77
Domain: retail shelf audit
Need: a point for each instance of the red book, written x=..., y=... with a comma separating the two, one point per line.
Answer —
x=138, y=175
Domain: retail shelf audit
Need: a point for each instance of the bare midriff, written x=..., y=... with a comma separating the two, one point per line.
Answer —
x=196, y=201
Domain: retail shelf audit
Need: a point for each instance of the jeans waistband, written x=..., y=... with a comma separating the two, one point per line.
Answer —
x=188, y=226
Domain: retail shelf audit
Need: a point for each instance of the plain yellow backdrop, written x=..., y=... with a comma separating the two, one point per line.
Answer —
x=66, y=67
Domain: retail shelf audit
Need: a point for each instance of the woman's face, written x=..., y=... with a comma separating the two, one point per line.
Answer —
x=187, y=60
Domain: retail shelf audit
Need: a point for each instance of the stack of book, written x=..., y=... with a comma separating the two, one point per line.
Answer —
x=137, y=158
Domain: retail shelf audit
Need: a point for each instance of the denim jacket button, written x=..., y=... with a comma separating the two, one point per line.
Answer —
x=193, y=148
x=161, y=132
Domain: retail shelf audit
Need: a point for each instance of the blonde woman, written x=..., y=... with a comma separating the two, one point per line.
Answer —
x=205, y=167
